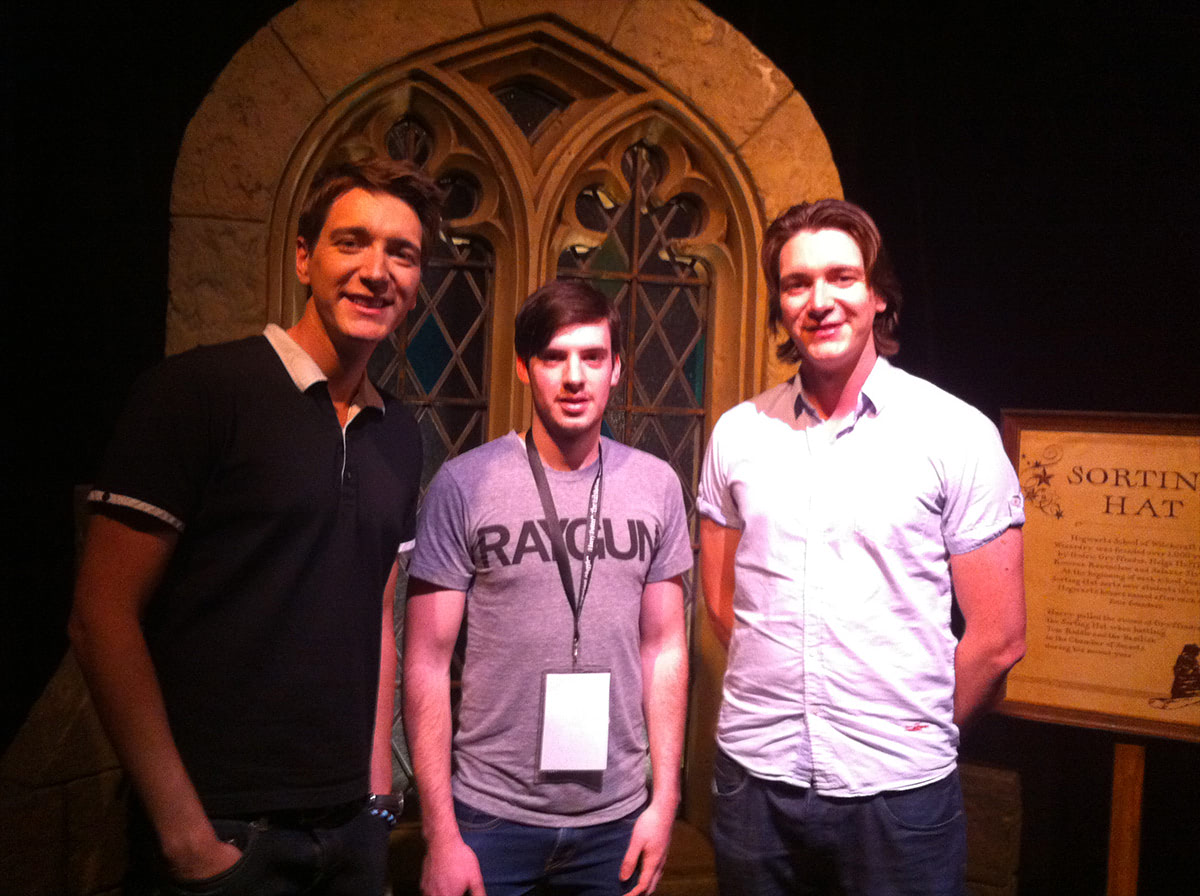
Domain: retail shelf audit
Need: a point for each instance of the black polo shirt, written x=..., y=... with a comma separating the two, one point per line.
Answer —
x=265, y=631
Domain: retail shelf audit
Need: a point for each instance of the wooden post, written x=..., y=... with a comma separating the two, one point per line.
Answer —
x=1125, y=832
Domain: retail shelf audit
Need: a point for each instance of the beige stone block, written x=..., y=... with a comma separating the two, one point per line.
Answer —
x=790, y=159
x=97, y=849
x=341, y=41
x=60, y=741
x=992, y=798
x=737, y=86
x=217, y=282
x=32, y=847
x=243, y=133
x=598, y=18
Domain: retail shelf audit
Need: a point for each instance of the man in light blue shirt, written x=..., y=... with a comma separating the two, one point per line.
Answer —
x=844, y=511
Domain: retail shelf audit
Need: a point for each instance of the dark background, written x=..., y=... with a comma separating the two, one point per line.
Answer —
x=1035, y=172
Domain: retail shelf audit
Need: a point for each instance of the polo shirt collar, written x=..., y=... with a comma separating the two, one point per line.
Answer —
x=305, y=372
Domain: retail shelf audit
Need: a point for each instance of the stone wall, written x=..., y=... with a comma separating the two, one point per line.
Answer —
x=62, y=799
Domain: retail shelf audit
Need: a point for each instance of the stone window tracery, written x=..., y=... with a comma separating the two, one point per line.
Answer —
x=636, y=257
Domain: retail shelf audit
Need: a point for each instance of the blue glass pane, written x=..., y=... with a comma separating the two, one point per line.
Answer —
x=428, y=354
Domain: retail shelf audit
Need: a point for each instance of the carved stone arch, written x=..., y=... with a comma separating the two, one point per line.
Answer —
x=249, y=146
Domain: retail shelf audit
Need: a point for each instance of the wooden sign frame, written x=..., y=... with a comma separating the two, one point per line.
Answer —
x=1047, y=483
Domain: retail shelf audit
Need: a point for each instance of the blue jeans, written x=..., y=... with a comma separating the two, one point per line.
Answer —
x=345, y=855
x=774, y=839
x=519, y=859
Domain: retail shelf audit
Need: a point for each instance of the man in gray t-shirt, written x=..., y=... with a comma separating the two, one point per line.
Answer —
x=575, y=668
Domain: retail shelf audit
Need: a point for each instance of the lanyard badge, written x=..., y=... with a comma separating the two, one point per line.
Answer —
x=575, y=705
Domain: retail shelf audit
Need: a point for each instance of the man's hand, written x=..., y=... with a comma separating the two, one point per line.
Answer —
x=201, y=861
x=451, y=869
x=649, y=842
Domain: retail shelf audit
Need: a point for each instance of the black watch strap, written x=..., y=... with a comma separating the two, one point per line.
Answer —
x=387, y=806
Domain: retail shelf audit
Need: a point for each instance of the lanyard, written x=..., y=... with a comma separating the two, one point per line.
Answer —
x=558, y=543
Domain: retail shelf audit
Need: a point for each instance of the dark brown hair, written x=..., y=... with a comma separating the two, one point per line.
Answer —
x=558, y=304
x=376, y=175
x=835, y=214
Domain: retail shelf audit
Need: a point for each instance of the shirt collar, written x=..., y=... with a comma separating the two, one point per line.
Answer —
x=880, y=386
x=305, y=373
x=873, y=396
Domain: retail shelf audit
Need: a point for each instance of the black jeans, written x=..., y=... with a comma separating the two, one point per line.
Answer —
x=343, y=853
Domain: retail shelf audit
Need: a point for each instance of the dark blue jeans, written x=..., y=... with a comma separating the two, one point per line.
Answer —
x=774, y=839
x=519, y=859
x=344, y=856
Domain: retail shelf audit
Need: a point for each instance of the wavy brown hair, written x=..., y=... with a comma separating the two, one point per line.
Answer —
x=834, y=214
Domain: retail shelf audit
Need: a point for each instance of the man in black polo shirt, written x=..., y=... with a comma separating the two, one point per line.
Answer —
x=228, y=614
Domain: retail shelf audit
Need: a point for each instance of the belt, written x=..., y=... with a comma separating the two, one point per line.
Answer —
x=319, y=817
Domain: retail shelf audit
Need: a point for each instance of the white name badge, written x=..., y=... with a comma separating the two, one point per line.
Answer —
x=574, y=722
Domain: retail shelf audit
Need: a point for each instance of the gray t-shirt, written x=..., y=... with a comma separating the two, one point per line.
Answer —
x=482, y=531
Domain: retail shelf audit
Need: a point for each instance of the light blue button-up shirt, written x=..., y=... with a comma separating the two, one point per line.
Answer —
x=841, y=664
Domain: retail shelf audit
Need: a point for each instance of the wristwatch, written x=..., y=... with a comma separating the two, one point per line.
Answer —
x=387, y=806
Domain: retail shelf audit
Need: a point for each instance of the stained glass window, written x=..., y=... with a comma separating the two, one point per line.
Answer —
x=663, y=296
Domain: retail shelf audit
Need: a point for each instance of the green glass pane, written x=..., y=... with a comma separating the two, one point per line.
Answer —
x=610, y=257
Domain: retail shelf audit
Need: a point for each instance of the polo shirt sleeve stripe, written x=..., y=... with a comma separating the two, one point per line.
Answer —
x=98, y=496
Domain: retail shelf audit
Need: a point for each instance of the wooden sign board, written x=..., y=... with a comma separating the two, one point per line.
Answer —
x=1112, y=571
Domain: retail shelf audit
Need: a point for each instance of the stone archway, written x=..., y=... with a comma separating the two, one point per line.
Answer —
x=242, y=150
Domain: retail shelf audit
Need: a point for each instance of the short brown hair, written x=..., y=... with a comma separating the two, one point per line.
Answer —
x=375, y=175
x=558, y=304
x=835, y=214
